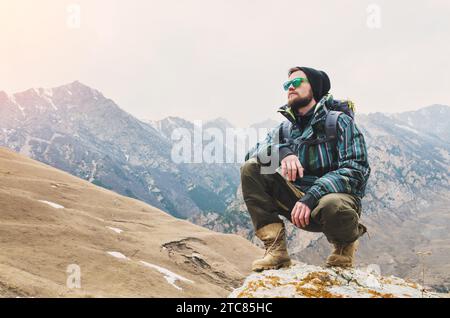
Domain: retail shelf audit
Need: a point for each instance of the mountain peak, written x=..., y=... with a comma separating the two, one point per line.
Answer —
x=219, y=122
x=309, y=281
x=431, y=109
x=78, y=89
x=436, y=108
x=3, y=95
x=77, y=85
x=173, y=122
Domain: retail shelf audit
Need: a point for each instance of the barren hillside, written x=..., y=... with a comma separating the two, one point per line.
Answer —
x=52, y=223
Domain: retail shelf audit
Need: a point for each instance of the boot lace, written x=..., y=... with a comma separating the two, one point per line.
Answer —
x=273, y=243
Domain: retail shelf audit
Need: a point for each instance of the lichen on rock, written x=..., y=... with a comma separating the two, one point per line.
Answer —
x=309, y=281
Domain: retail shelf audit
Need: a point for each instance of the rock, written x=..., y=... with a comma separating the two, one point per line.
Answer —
x=309, y=281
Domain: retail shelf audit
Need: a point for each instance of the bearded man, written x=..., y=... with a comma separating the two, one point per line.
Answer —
x=320, y=185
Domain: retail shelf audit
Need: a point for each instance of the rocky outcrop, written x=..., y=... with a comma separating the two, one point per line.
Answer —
x=308, y=281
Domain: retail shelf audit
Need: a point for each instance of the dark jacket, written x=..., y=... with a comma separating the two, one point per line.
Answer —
x=341, y=167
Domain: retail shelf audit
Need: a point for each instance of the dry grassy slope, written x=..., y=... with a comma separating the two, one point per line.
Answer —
x=38, y=242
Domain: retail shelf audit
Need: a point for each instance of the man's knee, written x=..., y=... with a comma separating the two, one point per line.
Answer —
x=334, y=209
x=250, y=167
x=338, y=218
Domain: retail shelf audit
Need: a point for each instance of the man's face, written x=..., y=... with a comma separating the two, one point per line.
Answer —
x=301, y=96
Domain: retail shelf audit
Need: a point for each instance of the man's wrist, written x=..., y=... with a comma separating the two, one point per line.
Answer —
x=284, y=152
x=309, y=200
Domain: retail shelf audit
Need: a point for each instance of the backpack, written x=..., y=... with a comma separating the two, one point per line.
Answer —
x=334, y=109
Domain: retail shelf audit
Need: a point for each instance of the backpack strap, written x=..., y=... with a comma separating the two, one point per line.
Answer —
x=330, y=130
x=331, y=124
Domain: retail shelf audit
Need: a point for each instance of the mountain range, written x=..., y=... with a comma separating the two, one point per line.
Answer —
x=76, y=129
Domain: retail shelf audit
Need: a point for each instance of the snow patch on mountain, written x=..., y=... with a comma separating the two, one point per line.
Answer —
x=52, y=204
x=407, y=128
x=118, y=255
x=171, y=277
x=115, y=229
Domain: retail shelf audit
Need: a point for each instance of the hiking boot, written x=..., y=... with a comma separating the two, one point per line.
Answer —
x=342, y=255
x=276, y=255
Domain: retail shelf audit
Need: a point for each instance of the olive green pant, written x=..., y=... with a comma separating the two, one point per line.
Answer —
x=269, y=195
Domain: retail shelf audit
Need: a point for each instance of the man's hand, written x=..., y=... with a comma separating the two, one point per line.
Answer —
x=290, y=167
x=300, y=214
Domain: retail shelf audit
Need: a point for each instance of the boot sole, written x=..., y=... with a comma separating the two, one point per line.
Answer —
x=278, y=266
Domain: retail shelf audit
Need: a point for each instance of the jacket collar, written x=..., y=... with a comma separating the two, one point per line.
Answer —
x=320, y=110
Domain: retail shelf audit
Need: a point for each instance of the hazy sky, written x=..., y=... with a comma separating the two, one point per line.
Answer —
x=204, y=59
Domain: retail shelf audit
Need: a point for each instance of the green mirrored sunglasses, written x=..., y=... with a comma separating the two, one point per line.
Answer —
x=296, y=82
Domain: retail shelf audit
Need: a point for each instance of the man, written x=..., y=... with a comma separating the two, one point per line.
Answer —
x=320, y=186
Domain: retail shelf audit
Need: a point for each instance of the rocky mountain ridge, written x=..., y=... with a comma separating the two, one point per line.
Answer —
x=76, y=129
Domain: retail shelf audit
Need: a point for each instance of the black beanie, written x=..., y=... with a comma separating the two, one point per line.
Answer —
x=320, y=83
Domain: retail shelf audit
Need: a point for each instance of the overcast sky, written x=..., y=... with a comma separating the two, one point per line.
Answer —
x=204, y=59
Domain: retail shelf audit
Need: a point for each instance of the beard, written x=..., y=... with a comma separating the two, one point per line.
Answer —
x=300, y=102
